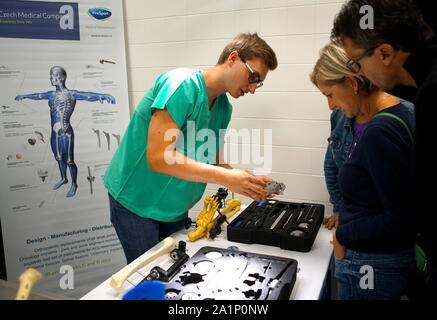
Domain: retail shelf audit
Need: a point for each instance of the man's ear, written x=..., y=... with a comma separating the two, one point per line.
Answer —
x=233, y=56
x=386, y=53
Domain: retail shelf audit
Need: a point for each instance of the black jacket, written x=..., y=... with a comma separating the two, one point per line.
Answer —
x=422, y=65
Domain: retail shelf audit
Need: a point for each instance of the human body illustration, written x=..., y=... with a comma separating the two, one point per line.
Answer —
x=62, y=102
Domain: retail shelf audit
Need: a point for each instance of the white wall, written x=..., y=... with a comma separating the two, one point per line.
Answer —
x=165, y=34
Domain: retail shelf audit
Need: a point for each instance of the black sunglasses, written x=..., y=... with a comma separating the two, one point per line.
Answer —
x=354, y=64
x=253, y=76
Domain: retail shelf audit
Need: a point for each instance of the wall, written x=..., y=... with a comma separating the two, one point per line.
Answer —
x=166, y=34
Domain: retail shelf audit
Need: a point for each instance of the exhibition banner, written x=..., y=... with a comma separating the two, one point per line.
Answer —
x=63, y=109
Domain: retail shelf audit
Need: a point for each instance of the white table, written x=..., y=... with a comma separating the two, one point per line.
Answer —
x=312, y=265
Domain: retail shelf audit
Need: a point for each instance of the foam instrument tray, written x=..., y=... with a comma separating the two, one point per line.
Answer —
x=288, y=225
x=224, y=274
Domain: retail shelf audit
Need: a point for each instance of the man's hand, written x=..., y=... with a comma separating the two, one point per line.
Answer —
x=331, y=222
x=163, y=158
x=339, y=249
x=244, y=182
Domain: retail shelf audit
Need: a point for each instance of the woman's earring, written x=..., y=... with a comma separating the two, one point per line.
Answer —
x=356, y=91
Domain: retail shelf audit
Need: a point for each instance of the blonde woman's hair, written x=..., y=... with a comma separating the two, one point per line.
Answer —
x=331, y=69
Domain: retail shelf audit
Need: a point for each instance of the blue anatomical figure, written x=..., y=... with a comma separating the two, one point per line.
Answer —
x=62, y=102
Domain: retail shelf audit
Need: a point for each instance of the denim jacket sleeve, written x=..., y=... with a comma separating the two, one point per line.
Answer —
x=334, y=157
x=331, y=173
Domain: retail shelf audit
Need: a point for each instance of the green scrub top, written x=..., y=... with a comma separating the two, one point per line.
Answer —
x=149, y=194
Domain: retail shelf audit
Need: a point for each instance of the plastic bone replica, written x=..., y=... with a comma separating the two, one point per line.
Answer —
x=120, y=277
x=27, y=279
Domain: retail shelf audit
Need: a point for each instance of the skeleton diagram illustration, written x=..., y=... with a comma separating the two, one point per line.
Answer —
x=62, y=102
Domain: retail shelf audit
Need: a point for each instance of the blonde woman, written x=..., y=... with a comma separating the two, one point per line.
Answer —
x=374, y=240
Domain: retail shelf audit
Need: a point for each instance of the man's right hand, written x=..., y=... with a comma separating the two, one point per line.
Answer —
x=244, y=182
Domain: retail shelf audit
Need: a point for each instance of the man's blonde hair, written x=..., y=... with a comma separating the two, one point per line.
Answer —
x=249, y=46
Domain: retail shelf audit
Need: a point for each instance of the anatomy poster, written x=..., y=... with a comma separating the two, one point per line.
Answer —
x=63, y=110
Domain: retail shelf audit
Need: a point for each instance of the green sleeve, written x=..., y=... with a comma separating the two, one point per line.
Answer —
x=225, y=116
x=177, y=94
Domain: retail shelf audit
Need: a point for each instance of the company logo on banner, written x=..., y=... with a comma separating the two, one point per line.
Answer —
x=39, y=20
x=100, y=13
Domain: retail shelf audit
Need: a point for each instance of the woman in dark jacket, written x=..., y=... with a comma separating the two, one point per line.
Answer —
x=374, y=241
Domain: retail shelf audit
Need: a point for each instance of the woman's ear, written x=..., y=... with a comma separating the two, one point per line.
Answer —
x=353, y=83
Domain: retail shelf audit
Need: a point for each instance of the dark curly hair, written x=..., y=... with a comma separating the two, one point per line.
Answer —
x=396, y=22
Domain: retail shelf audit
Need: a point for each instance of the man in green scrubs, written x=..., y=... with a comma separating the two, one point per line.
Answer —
x=165, y=159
